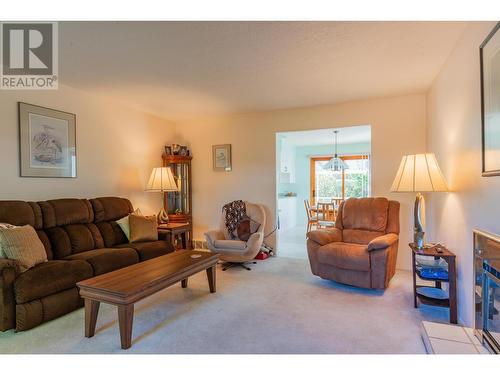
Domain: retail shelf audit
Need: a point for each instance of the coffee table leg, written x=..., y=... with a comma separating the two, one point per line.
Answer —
x=184, y=283
x=125, y=319
x=91, y=310
x=211, y=279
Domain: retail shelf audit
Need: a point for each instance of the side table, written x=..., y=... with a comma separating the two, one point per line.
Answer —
x=177, y=231
x=437, y=252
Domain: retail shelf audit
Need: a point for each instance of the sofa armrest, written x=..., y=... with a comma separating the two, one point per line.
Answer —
x=383, y=242
x=213, y=235
x=325, y=236
x=9, y=270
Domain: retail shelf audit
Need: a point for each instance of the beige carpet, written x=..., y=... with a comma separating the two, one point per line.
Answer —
x=278, y=307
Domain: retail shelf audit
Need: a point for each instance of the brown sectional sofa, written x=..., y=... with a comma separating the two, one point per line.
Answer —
x=81, y=239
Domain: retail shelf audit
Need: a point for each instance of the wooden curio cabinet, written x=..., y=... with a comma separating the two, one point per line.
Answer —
x=179, y=204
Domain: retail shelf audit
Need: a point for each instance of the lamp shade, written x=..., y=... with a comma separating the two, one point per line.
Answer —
x=335, y=164
x=161, y=180
x=419, y=173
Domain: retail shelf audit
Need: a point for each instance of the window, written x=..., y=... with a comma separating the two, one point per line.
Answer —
x=348, y=183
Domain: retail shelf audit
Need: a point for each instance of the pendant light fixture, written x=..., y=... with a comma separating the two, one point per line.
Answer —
x=335, y=164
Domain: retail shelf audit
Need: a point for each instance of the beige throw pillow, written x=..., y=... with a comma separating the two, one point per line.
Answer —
x=143, y=228
x=124, y=224
x=23, y=245
x=4, y=226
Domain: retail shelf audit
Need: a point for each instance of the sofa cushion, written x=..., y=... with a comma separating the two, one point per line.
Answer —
x=111, y=233
x=345, y=255
x=110, y=208
x=230, y=244
x=150, y=250
x=49, y=278
x=60, y=212
x=107, y=260
x=359, y=236
x=74, y=238
x=84, y=237
x=365, y=213
x=21, y=213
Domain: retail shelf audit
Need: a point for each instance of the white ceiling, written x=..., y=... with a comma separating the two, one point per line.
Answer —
x=353, y=134
x=177, y=69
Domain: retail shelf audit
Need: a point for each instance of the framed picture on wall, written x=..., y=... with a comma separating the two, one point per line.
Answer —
x=47, y=142
x=490, y=102
x=221, y=155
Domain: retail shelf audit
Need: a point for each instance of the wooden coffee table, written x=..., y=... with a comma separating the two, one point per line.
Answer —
x=128, y=285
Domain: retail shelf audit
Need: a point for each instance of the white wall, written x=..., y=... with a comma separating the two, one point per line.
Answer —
x=398, y=127
x=454, y=134
x=116, y=149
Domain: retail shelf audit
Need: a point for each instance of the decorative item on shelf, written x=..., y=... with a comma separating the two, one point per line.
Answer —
x=221, y=155
x=183, y=151
x=168, y=150
x=490, y=103
x=175, y=149
x=336, y=163
x=419, y=173
x=162, y=180
x=47, y=142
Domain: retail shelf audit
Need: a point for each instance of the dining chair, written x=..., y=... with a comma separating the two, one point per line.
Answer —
x=336, y=204
x=312, y=218
x=325, y=212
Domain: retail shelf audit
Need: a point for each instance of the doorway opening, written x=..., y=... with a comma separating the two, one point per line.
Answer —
x=310, y=187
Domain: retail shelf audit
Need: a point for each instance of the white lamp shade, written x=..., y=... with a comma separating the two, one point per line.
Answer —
x=419, y=173
x=161, y=180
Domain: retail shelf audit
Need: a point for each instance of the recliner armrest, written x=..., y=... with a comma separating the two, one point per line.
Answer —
x=9, y=263
x=325, y=236
x=382, y=242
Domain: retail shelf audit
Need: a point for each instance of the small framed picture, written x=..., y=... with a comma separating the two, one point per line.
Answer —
x=221, y=155
x=47, y=140
x=168, y=150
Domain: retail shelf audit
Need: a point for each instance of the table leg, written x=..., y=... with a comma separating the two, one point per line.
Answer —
x=125, y=319
x=91, y=310
x=184, y=283
x=452, y=276
x=211, y=279
x=184, y=240
x=414, y=279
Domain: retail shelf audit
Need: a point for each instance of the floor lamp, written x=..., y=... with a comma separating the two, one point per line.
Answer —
x=419, y=173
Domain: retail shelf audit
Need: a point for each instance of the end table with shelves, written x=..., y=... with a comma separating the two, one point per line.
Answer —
x=436, y=264
x=178, y=232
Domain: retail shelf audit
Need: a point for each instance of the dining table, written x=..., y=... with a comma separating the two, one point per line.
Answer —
x=329, y=208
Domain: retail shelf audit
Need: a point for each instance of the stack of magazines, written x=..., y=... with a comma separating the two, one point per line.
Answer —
x=431, y=268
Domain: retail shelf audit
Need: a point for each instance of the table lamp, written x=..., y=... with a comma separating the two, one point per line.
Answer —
x=419, y=173
x=162, y=180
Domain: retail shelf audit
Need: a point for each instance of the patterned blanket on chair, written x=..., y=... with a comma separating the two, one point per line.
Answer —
x=234, y=212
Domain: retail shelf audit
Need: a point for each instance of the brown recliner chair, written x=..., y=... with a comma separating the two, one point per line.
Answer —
x=362, y=248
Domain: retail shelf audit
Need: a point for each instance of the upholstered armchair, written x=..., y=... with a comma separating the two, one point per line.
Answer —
x=362, y=248
x=235, y=252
